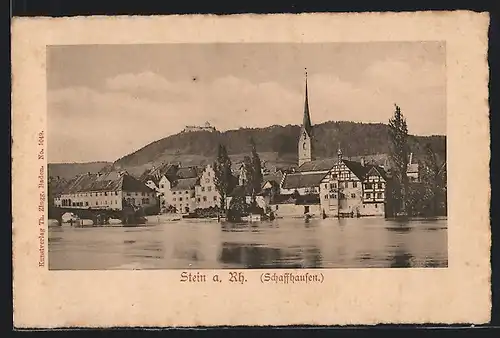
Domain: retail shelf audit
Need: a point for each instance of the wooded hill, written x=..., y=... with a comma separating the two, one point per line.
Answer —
x=277, y=145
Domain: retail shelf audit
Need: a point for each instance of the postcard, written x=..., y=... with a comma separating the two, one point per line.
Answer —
x=201, y=170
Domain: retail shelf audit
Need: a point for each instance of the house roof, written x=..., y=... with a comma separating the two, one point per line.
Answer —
x=56, y=185
x=185, y=183
x=274, y=177
x=318, y=165
x=301, y=180
x=156, y=173
x=379, y=170
x=112, y=181
x=187, y=172
x=359, y=170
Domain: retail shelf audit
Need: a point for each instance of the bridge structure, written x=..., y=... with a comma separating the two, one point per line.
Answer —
x=98, y=216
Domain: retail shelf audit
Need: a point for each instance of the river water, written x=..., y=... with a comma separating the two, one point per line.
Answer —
x=282, y=243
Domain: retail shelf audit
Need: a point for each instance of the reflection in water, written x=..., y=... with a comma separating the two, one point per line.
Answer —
x=328, y=243
x=401, y=259
x=249, y=255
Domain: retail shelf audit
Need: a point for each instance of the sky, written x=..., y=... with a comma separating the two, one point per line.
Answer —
x=106, y=101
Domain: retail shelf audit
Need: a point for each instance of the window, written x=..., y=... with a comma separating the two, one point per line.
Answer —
x=276, y=207
x=145, y=200
x=368, y=186
x=106, y=193
x=209, y=188
x=334, y=176
x=334, y=185
x=333, y=196
x=204, y=198
x=380, y=186
x=128, y=194
x=353, y=195
x=368, y=195
x=346, y=185
x=187, y=192
x=199, y=199
x=174, y=193
x=174, y=199
x=379, y=195
x=326, y=197
x=208, y=173
x=162, y=186
x=180, y=198
x=96, y=203
x=354, y=184
x=326, y=186
x=215, y=198
x=142, y=193
x=116, y=193
x=207, y=180
x=202, y=188
x=376, y=205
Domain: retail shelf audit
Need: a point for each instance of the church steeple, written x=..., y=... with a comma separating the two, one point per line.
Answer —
x=306, y=122
x=304, y=144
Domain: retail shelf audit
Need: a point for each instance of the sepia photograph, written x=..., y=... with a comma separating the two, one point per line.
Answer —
x=247, y=155
x=167, y=166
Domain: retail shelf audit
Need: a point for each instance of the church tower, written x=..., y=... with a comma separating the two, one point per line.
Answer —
x=305, y=142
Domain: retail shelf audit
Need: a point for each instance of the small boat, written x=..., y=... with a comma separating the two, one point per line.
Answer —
x=54, y=223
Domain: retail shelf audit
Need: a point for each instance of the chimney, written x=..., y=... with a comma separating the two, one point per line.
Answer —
x=88, y=173
x=363, y=161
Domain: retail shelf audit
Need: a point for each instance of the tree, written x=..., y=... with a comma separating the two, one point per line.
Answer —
x=434, y=180
x=256, y=171
x=249, y=175
x=223, y=180
x=398, y=139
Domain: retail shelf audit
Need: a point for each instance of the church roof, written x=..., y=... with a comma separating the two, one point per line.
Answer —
x=306, y=122
x=301, y=180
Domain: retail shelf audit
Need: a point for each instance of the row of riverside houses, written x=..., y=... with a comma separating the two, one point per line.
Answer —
x=358, y=186
x=183, y=189
x=104, y=191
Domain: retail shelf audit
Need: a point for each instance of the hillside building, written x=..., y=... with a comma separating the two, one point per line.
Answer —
x=206, y=127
